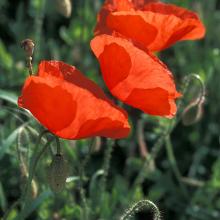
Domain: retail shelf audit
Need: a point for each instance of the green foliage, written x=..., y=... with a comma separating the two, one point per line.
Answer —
x=183, y=179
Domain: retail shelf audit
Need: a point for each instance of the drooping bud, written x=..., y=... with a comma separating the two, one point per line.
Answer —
x=64, y=7
x=57, y=173
x=192, y=113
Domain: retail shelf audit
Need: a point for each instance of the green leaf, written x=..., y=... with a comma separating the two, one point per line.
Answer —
x=3, y=202
x=8, y=96
x=8, y=142
x=33, y=205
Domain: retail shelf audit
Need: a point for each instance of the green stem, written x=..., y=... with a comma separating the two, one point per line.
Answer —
x=58, y=145
x=160, y=142
x=81, y=174
x=173, y=163
x=106, y=165
x=33, y=165
x=38, y=28
x=155, y=150
x=83, y=196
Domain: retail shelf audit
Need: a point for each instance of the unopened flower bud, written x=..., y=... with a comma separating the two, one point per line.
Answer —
x=28, y=46
x=192, y=113
x=57, y=173
x=64, y=7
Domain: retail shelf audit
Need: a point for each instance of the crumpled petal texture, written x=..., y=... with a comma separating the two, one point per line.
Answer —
x=70, y=105
x=110, y=6
x=135, y=76
x=155, y=26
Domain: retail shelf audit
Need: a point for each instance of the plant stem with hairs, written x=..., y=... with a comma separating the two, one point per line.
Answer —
x=106, y=165
x=32, y=167
x=160, y=142
x=82, y=167
x=139, y=206
x=155, y=150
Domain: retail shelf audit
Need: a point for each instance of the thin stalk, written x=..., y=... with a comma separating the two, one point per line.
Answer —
x=106, y=166
x=39, y=18
x=173, y=163
x=82, y=167
x=58, y=145
x=173, y=123
x=33, y=164
x=155, y=150
x=83, y=195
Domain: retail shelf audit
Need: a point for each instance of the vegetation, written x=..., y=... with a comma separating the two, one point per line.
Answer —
x=162, y=162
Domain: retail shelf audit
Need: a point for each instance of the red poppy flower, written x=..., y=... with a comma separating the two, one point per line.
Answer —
x=110, y=6
x=70, y=105
x=135, y=76
x=155, y=26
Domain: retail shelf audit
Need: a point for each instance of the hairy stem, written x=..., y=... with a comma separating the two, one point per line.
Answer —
x=33, y=164
x=139, y=206
x=106, y=165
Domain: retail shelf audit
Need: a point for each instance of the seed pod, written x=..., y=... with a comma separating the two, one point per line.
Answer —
x=192, y=113
x=57, y=173
x=64, y=7
x=28, y=46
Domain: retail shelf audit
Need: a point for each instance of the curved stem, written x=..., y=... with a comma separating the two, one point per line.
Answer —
x=155, y=150
x=186, y=82
x=140, y=137
x=139, y=206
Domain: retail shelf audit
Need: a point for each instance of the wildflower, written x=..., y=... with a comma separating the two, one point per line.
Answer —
x=70, y=105
x=134, y=76
x=126, y=33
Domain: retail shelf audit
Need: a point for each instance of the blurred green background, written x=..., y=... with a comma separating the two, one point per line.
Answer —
x=184, y=186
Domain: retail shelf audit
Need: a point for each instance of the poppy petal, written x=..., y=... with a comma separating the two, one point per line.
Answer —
x=156, y=26
x=139, y=4
x=174, y=24
x=70, y=105
x=109, y=6
x=132, y=25
x=134, y=76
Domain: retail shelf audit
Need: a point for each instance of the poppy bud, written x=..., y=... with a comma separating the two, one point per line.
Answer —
x=64, y=7
x=28, y=46
x=57, y=173
x=192, y=113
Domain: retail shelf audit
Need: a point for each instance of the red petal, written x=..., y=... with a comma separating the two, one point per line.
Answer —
x=173, y=24
x=110, y=6
x=134, y=25
x=70, y=105
x=156, y=27
x=139, y=4
x=134, y=76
